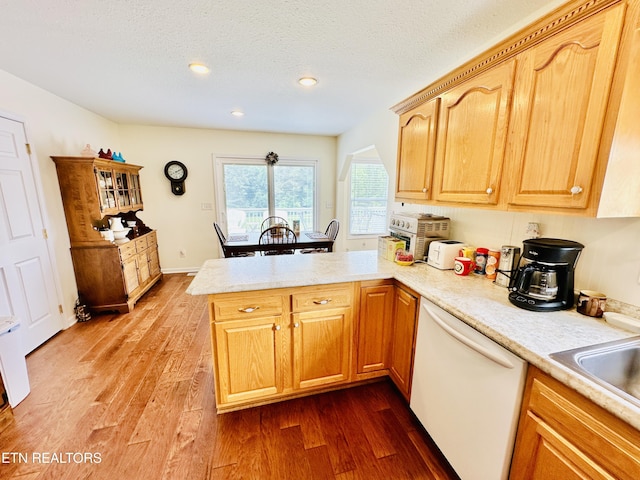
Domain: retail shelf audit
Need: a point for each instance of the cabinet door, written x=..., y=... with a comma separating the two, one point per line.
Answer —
x=545, y=454
x=135, y=191
x=561, y=97
x=248, y=357
x=402, y=340
x=143, y=267
x=106, y=190
x=130, y=271
x=472, y=133
x=374, y=327
x=321, y=347
x=416, y=150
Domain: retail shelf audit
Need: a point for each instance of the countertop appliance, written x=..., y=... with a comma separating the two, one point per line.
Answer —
x=442, y=253
x=544, y=278
x=418, y=230
x=466, y=392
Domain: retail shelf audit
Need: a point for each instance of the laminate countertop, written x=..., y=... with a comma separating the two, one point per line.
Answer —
x=474, y=299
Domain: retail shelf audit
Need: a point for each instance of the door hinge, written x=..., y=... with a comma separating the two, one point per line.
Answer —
x=45, y=235
x=60, y=309
x=28, y=148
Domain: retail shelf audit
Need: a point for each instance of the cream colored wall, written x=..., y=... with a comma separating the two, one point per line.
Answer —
x=55, y=127
x=610, y=263
x=181, y=222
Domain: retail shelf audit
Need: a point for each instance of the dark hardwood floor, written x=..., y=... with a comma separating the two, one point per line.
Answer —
x=131, y=397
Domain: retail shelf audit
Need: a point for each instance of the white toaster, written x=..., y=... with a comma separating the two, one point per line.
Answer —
x=442, y=253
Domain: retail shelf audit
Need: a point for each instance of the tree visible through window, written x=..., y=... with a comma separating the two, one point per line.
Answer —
x=253, y=191
x=368, y=197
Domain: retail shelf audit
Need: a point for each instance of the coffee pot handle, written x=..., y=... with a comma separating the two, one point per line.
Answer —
x=524, y=279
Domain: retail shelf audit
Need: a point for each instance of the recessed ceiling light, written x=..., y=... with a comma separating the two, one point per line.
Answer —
x=237, y=113
x=307, y=81
x=198, y=68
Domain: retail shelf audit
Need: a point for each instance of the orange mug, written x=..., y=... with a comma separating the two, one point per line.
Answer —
x=463, y=265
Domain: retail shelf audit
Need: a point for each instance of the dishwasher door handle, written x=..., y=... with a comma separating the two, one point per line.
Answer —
x=494, y=356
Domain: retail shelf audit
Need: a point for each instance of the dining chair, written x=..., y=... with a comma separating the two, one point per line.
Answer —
x=331, y=232
x=223, y=244
x=278, y=236
x=273, y=220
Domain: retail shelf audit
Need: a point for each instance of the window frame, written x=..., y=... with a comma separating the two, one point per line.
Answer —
x=372, y=161
x=219, y=161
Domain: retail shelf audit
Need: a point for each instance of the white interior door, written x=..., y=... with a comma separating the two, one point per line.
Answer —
x=27, y=282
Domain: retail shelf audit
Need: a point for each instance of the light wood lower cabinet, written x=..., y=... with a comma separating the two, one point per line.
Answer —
x=374, y=327
x=403, y=334
x=282, y=343
x=562, y=435
x=112, y=277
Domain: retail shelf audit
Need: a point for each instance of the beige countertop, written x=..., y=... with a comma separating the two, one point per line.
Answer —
x=474, y=299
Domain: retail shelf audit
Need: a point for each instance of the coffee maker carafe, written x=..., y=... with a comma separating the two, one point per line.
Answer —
x=544, y=278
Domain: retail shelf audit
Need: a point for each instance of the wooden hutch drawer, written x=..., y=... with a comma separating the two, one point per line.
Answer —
x=127, y=250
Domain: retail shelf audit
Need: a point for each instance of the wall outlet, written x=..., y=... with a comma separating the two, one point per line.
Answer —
x=183, y=253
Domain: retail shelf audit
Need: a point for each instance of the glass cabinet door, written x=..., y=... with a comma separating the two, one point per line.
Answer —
x=106, y=189
x=134, y=190
x=124, y=195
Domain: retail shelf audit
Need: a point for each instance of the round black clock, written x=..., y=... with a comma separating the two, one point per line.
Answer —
x=176, y=172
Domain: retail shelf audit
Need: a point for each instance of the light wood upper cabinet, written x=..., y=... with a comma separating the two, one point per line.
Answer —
x=472, y=135
x=416, y=150
x=557, y=133
x=561, y=97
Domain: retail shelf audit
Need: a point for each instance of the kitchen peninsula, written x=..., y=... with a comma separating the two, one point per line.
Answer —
x=477, y=301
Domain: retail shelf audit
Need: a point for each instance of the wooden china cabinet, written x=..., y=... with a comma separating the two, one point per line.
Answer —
x=111, y=276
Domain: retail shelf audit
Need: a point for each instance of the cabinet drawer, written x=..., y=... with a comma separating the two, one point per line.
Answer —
x=321, y=298
x=249, y=306
x=127, y=250
x=152, y=239
x=141, y=244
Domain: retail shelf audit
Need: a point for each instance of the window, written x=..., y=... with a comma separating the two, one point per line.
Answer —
x=368, y=197
x=252, y=190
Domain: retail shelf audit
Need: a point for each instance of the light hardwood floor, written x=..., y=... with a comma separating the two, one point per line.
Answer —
x=131, y=397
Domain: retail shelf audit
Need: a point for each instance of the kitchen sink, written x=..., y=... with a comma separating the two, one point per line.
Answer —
x=613, y=365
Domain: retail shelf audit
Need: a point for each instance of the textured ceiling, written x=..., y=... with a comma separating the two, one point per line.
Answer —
x=127, y=59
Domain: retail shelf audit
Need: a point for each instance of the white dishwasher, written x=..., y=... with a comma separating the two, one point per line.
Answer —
x=466, y=392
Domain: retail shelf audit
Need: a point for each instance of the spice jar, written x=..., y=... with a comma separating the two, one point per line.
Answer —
x=481, y=260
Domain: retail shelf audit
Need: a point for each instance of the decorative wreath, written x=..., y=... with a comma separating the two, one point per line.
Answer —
x=271, y=158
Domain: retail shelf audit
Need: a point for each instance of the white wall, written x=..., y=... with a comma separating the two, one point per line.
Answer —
x=55, y=127
x=610, y=263
x=181, y=222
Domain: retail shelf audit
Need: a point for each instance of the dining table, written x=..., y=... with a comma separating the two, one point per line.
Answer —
x=238, y=243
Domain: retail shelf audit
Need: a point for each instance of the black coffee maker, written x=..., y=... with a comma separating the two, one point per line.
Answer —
x=544, y=279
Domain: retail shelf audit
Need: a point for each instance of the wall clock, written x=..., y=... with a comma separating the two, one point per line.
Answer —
x=176, y=172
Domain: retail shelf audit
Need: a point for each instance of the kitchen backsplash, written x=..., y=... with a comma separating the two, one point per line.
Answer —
x=610, y=262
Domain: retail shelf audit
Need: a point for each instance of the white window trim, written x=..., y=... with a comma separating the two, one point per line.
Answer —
x=218, y=168
x=356, y=236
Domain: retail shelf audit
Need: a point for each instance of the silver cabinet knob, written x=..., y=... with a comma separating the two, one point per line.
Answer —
x=249, y=309
x=424, y=190
x=576, y=189
x=296, y=325
x=277, y=327
x=489, y=191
